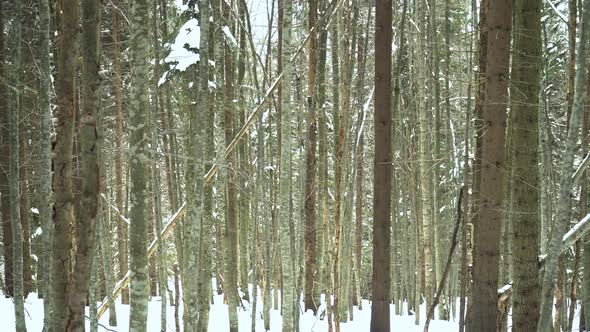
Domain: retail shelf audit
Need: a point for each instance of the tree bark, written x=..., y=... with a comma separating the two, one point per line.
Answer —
x=380, y=320
x=14, y=170
x=488, y=229
x=285, y=173
x=231, y=229
x=4, y=173
x=139, y=154
x=121, y=225
x=62, y=179
x=526, y=77
x=45, y=190
x=310, y=182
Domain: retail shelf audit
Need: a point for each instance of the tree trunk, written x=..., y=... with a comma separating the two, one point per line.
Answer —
x=285, y=174
x=45, y=190
x=155, y=176
x=231, y=229
x=13, y=125
x=63, y=210
x=88, y=133
x=310, y=182
x=106, y=254
x=488, y=229
x=121, y=225
x=380, y=318
x=4, y=173
x=585, y=208
x=526, y=76
x=139, y=154
x=424, y=161
x=563, y=207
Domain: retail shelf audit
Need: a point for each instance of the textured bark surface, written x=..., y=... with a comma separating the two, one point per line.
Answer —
x=231, y=218
x=289, y=275
x=4, y=165
x=425, y=158
x=310, y=182
x=88, y=135
x=380, y=320
x=155, y=176
x=526, y=75
x=138, y=146
x=489, y=225
x=121, y=225
x=45, y=190
x=106, y=253
x=14, y=171
x=62, y=179
x=585, y=206
x=208, y=218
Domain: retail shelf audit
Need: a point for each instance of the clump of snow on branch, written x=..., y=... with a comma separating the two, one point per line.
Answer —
x=182, y=53
x=229, y=37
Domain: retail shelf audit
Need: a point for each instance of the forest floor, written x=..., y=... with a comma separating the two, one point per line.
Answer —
x=219, y=320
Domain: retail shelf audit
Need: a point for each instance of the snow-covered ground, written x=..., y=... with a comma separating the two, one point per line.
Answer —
x=219, y=319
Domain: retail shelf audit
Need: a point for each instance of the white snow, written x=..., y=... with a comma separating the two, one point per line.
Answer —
x=229, y=37
x=181, y=7
x=189, y=36
x=219, y=321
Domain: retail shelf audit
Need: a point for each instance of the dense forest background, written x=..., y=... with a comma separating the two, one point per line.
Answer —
x=411, y=152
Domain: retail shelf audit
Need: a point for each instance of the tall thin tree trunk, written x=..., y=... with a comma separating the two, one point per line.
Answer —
x=208, y=219
x=584, y=208
x=488, y=229
x=310, y=182
x=4, y=173
x=106, y=254
x=437, y=222
x=63, y=210
x=526, y=79
x=138, y=146
x=424, y=161
x=231, y=230
x=155, y=176
x=88, y=134
x=45, y=190
x=289, y=274
x=121, y=226
x=13, y=125
x=380, y=318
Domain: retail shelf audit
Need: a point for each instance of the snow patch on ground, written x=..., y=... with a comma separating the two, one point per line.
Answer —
x=219, y=320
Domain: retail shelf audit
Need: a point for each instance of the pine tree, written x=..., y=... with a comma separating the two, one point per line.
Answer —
x=380, y=320
x=526, y=70
x=489, y=224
